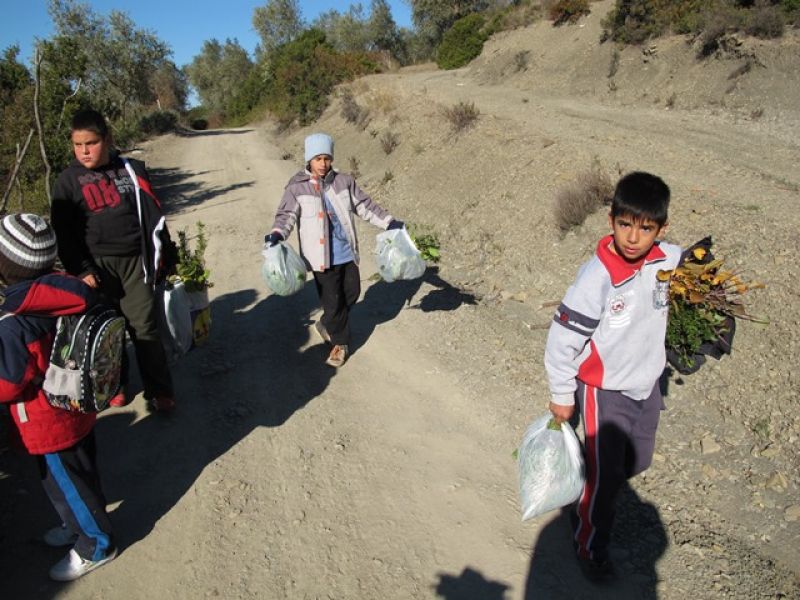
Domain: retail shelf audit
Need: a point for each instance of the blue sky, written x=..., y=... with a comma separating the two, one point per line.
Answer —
x=183, y=24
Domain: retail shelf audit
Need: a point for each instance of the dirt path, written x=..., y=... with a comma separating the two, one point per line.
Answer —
x=393, y=478
x=278, y=476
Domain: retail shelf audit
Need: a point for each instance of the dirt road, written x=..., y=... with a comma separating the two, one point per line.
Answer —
x=393, y=478
x=279, y=476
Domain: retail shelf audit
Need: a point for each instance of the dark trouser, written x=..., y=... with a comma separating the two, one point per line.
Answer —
x=122, y=281
x=338, y=289
x=619, y=443
x=72, y=483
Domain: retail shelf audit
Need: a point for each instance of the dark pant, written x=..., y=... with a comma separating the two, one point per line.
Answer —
x=338, y=289
x=72, y=483
x=122, y=282
x=619, y=443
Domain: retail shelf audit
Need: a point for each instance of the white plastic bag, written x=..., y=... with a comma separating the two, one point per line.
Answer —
x=550, y=468
x=178, y=319
x=283, y=270
x=397, y=256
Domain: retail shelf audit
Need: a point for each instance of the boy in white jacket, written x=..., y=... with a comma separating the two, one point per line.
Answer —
x=322, y=203
x=605, y=349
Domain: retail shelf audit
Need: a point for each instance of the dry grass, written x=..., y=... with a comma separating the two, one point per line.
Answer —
x=590, y=191
x=462, y=115
x=389, y=141
x=354, y=113
x=354, y=167
x=382, y=102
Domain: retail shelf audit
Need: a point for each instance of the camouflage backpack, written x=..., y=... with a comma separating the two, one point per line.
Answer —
x=86, y=361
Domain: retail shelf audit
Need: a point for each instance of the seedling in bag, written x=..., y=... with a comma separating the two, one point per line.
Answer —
x=550, y=467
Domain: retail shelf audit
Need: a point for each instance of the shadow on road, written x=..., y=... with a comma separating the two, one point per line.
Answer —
x=383, y=301
x=638, y=541
x=174, y=187
x=253, y=372
x=469, y=585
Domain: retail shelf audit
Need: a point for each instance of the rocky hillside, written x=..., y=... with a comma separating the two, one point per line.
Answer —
x=723, y=133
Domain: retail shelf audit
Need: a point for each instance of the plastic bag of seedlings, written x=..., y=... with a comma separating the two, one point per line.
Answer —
x=283, y=270
x=550, y=467
x=397, y=256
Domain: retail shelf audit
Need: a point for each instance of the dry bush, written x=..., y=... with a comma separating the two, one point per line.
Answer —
x=578, y=199
x=382, y=102
x=462, y=115
x=353, y=113
x=354, y=167
x=389, y=141
x=765, y=21
x=567, y=11
x=521, y=60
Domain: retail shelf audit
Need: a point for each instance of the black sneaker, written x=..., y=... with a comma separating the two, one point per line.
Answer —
x=597, y=571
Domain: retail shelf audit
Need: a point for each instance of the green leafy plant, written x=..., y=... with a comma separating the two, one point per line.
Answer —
x=426, y=241
x=191, y=268
x=462, y=42
x=704, y=300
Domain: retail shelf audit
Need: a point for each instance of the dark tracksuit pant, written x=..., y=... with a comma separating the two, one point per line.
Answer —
x=338, y=289
x=122, y=281
x=72, y=483
x=620, y=436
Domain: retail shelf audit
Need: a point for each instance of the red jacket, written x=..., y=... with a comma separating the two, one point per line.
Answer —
x=28, y=312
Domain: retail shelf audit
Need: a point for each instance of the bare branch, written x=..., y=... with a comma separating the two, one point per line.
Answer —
x=15, y=172
x=64, y=105
x=37, y=57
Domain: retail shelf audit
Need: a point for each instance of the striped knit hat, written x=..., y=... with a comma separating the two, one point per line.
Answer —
x=27, y=247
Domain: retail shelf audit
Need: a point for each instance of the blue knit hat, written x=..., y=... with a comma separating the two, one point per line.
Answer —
x=318, y=143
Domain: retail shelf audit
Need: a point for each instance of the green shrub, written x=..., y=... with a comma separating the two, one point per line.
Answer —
x=634, y=21
x=158, y=122
x=461, y=43
x=568, y=11
x=303, y=73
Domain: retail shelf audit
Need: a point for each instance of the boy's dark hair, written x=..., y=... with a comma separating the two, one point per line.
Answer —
x=90, y=120
x=640, y=195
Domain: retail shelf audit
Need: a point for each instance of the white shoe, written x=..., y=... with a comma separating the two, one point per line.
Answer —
x=60, y=536
x=72, y=566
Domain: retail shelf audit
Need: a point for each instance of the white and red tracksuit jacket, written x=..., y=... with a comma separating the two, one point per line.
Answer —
x=609, y=329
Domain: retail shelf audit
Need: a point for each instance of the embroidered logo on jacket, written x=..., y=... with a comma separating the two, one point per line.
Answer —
x=661, y=295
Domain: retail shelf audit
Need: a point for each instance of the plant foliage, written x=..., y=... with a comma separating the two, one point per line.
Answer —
x=462, y=42
x=427, y=242
x=191, y=268
x=704, y=298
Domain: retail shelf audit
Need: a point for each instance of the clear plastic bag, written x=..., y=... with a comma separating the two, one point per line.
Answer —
x=283, y=270
x=178, y=319
x=550, y=468
x=397, y=256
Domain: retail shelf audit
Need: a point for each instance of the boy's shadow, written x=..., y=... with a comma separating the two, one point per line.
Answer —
x=383, y=301
x=253, y=372
x=638, y=540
